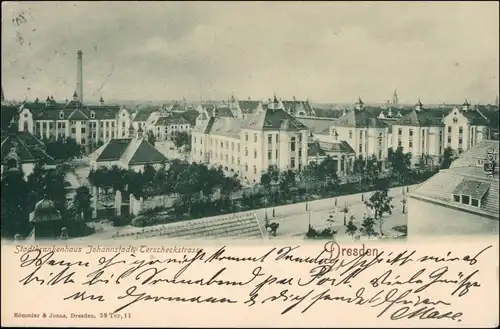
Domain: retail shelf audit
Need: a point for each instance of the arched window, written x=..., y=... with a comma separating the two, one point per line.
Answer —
x=25, y=126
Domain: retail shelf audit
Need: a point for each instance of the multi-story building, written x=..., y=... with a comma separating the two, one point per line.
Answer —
x=323, y=144
x=89, y=125
x=461, y=200
x=420, y=132
x=166, y=128
x=464, y=128
x=249, y=146
x=145, y=119
x=362, y=130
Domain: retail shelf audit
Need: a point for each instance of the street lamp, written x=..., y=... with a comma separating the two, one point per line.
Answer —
x=309, y=214
x=403, y=201
x=265, y=211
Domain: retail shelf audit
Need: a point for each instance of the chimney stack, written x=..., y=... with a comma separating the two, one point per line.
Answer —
x=79, y=75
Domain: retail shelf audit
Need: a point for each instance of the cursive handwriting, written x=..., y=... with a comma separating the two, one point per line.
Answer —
x=131, y=292
x=395, y=284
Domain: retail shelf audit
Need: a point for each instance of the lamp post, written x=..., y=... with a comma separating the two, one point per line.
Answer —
x=309, y=215
x=266, y=220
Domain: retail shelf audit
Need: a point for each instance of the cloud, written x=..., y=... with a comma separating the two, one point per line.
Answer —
x=325, y=51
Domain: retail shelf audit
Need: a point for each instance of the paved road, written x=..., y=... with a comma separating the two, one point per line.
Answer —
x=294, y=219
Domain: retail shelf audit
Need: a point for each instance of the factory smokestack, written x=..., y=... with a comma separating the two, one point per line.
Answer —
x=79, y=75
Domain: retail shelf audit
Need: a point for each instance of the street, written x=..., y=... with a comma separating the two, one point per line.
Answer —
x=294, y=219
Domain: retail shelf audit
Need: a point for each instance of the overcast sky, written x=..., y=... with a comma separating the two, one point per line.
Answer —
x=321, y=51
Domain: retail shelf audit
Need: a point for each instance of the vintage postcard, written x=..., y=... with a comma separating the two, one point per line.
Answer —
x=250, y=164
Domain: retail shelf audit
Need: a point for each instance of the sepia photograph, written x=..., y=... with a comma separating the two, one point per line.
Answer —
x=254, y=123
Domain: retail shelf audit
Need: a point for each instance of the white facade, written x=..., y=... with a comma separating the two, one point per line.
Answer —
x=365, y=141
x=87, y=127
x=418, y=140
x=232, y=144
x=461, y=132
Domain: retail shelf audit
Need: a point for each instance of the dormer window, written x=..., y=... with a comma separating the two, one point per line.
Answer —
x=470, y=192
x=92, y=115
x=61, y=115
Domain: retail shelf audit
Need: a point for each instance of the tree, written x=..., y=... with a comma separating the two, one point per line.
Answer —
x=287, y=181
x=359, y=166
x=448, y=157
x=82, y=202
x=149, y=174
x=15, y=205
x=151, y=137
x=64, y=148
x=380, y=203
x=372, y=168
x=269, y=177
x=327, y=169
x=351, y=228
x=183, y=139
x=367, y=227
x=48, y=184
x=400, y=163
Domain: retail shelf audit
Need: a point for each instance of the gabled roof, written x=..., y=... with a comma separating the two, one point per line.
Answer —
x=422, y=118
x=27, y=147
x=248, y=107
x=71, y=111
x=114, y=149
x=167, y=121
x=295, y=106
x=78, y=115
x=205, y=126
x=475, y=117
x=131, y=151
x=273, y=119
x=360, y=118
x=146, y=153
x=318, y=125
x=336, y=146
x=143, y=115
x=230, y=127
x=221, y=111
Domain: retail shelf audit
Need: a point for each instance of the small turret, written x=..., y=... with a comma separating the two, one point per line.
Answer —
x=359, y=105
x=101, y=102
x=419, y=106
x=466, y=105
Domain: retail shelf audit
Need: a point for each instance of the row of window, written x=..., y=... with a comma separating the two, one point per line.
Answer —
x=466, y=199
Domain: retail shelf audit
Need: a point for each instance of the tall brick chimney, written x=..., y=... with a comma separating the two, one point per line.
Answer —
x=79, y=75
